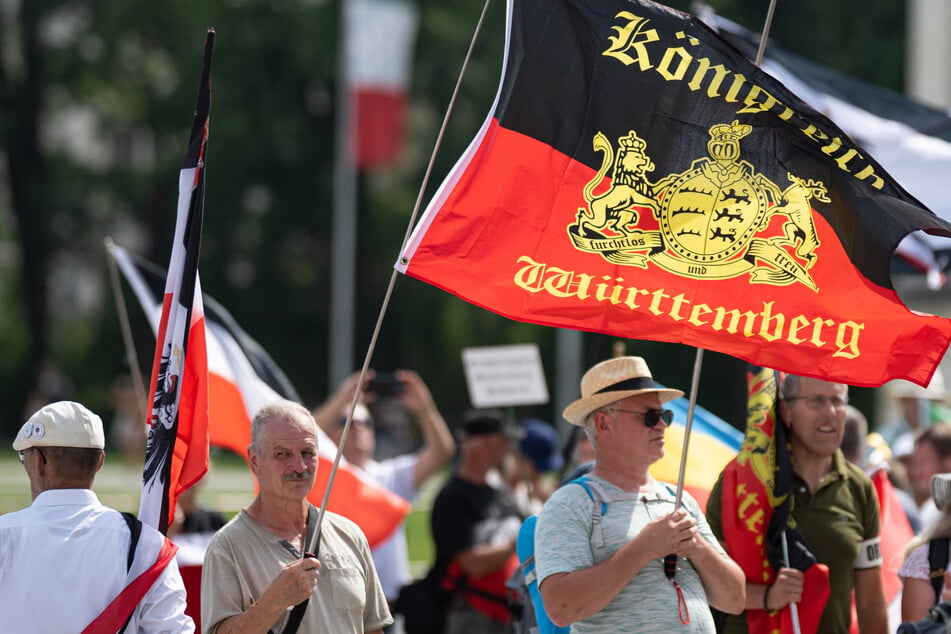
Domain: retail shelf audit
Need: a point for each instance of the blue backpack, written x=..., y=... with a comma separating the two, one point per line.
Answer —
x=534, y=619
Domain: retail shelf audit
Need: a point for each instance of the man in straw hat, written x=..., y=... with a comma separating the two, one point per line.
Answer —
x=65, y=559
x=620, y=585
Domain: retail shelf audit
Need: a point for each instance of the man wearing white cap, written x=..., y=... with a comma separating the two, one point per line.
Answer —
x=70, y=564
x=619, y=585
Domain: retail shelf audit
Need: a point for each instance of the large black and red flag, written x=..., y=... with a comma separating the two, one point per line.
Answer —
x=638, y=176
x=177, y=450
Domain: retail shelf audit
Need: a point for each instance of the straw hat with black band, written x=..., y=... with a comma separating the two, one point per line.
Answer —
x=612, y=381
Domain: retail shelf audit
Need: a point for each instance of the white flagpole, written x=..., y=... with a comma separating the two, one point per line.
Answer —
x=793, y=608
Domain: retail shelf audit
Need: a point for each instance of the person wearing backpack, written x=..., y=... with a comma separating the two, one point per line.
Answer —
x=609, y=575
x=924, y=572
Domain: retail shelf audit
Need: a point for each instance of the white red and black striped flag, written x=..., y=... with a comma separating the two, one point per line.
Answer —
x=242, y=377
x=380, y=36
x=177, y=450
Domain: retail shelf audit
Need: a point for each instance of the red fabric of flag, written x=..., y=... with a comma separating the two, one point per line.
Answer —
x=896, y=533
x=380, y=38
x=177, y=450
x=640, y=177
x=241, y=378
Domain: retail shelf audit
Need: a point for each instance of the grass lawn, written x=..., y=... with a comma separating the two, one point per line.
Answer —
x=228, y=488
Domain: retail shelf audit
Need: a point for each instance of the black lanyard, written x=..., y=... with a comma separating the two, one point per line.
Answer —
x=297, y=614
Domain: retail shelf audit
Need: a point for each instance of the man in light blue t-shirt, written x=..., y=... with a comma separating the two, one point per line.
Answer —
x=611, y=579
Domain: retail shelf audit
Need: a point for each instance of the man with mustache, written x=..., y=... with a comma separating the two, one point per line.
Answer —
x=256, y=569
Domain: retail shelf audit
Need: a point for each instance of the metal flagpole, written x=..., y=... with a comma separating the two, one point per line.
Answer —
x=694, y=383
x=389, y=289
x=344, y=230
x=670, y=561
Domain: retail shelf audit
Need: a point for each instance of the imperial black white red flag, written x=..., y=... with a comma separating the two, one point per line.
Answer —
x=242, y=377
x=177, y=450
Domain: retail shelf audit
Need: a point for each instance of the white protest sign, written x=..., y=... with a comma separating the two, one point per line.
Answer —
x=502, y=376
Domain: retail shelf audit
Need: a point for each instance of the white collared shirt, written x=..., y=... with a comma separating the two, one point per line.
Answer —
x=63, y=560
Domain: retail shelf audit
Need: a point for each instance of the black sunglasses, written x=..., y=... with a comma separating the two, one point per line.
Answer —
x=652, y=417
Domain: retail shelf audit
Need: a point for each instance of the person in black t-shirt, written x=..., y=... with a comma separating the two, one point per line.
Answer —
x=475, y=522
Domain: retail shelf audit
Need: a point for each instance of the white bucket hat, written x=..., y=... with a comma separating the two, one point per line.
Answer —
x=612, y=381
x=61, y=424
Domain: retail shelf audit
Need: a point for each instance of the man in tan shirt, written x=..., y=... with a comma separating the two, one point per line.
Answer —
x=255, y=570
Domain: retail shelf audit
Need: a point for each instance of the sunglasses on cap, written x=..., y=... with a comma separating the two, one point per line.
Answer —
x=652, y=417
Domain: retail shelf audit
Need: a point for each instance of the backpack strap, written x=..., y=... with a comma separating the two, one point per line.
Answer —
x=601, y=499
x=938, y=560
x=525, y=549
x=135, y=530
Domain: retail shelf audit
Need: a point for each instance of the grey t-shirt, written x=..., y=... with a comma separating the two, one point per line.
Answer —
x=649, y=603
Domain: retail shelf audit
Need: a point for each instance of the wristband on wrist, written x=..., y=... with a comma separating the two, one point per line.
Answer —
x=766, y=597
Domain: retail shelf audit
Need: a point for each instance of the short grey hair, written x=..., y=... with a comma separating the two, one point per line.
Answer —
x=589, y=430
x=280, y=410
x=792, y=386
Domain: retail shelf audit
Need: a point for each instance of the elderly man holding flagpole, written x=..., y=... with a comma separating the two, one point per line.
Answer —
x=259, y=573
x=619, y=583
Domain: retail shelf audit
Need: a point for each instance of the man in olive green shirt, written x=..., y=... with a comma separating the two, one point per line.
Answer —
x=836, y=507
